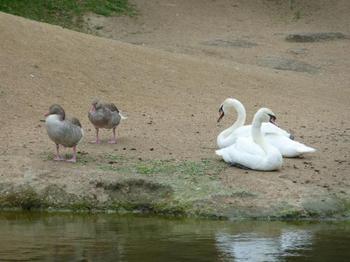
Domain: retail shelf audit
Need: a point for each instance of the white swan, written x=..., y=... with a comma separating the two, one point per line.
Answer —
x=254, y=152
x=276, y=136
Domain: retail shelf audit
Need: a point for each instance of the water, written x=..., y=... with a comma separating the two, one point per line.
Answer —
x=67, y=237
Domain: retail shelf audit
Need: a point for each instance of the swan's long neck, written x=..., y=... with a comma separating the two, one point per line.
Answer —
x=241, y=116
x=257, y=135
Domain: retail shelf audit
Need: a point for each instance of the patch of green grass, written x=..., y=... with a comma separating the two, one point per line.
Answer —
x=243, y=194
x=83, y=158
x=114, y=158
x=66, y=13
x=187, y=169
x=155, y=167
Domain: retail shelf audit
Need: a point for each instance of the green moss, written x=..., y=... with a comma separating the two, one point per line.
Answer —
x=81, y=205
x=324, y=206
x=291, y=214
x=23, y=197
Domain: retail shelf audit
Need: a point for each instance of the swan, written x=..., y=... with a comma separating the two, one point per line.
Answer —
x=62, y=131
x=276, y=136
x=105, y=116
x=254, y=152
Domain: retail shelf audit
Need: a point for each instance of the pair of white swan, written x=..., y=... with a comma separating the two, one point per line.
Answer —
x=259, y=146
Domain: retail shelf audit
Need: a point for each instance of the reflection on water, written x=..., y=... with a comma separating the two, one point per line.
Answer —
x=257, y=247
x=67, y=237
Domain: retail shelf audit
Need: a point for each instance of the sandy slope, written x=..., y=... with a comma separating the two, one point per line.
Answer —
x=171, y=100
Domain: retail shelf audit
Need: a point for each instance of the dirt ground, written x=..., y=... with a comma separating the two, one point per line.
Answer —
x=169, y=70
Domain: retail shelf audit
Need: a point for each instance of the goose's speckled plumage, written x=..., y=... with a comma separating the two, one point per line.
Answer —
x=105, y=115
x=62, y=131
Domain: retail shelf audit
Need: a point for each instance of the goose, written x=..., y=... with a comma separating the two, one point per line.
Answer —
x=276, y=136
x=254, y=152
x=105, y=115
x=62, y=131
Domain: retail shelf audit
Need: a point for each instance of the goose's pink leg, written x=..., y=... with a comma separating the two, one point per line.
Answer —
x=74, y=158
x=113, y=140
x=58, y=157
x=97, y=141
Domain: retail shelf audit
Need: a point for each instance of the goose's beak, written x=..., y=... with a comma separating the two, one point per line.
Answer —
x=93, y=109
x=46, y=114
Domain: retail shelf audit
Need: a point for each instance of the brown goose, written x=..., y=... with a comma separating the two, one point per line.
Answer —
x=107, y=116
x=62, y=131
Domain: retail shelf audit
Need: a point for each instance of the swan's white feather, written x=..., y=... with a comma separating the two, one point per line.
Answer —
x=245, y=131
x=288, y=147
x=247, y=153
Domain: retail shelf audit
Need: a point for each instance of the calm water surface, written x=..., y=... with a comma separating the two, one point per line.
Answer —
x=67, y=237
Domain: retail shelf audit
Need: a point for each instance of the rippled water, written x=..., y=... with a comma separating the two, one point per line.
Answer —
x=67, y=237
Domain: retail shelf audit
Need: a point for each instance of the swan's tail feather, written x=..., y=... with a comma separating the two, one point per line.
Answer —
x=122, y=116
x=218, y=152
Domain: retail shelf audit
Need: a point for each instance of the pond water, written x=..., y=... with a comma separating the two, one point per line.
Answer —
x=74, y=237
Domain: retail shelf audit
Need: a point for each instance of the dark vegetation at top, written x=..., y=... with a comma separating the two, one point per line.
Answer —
x=66, y=13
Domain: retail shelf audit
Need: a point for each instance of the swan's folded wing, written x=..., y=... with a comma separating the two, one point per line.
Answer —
x=247, y=146
x=268, y=128
x=288, y=147
x=244, y=152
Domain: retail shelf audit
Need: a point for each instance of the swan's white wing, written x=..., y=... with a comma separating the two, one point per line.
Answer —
x=245, y=131
x=288, y=147
x=244, y=152
x=268, y=128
